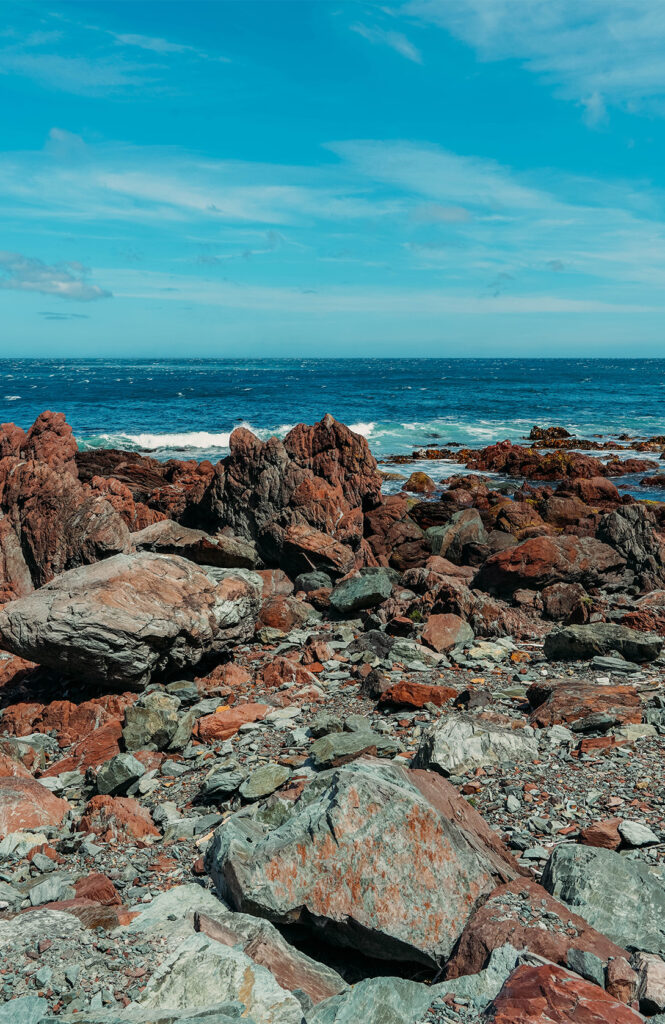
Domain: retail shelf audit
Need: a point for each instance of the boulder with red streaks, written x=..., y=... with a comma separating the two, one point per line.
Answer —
x=117, y=819
x=50, y=439
x=25, y=804
x=541, y=561
x=343, y=862
x=169, y=538
x=130, y=617
x=59, y=522
x=135, y=514
x=551, y=995
x=523, y=914
x=565, y=701
x=394, y=537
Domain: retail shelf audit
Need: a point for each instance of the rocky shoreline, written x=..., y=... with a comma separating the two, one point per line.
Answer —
x=276, y=746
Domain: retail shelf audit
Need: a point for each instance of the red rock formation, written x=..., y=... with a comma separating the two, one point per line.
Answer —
x=551, y=995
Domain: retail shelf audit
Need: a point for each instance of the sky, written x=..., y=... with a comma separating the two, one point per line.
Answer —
x=307, y=177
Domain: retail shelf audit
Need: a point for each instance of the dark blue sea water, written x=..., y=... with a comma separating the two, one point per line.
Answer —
x=188, y=408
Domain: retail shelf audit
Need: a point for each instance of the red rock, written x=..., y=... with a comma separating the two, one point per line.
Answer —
x=135, y=514
x=415, y=695
x=70, y=722
x=541, y=561
x=621, y=980
x=223, y=724
x=50, y=439
x=230, y=676
x=561, y=702
x=94, y=749
x=283, y=671
x=59, y=522
x=551, y=995
x=566, y=602
x=9, y=768
x=117, y=819
x=442, y=632
x=15, y=579
x=99, y=888
x=596, y=489
x=25, y=804
x=316, y=651
x=602, y=833
x=523, y=914
x=419, y=483
x=393, y=536
x=284, y=612
x=12, y=439
x=306, y=550
x=339, y=456
x=516, y=460
x=275, y=583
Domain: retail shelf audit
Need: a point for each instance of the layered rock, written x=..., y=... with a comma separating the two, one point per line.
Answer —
x=541, y=561
x=130, y=617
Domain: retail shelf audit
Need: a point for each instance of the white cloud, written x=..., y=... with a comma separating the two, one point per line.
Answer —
x=595, y=52
x=395, y=40
x=64, y=280
x=79, y=75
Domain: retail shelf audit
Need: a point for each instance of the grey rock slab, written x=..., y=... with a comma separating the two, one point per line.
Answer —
x=635, y=833
x=221, y=1013
x=341, y=859
x=365, y=590
x=622, y=898
x=337, y=748
x=129, y=617
x=375, y=1001
x=202, y=971
x=117, y=775
x=601, y=638
x=458, y=744
x=26, y=1010
x=481, y=988
x=464, y=527
x=264, y=780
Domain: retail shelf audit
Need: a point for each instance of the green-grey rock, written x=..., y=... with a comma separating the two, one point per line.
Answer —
x=465, y=527
x=624, y=898
x=117, y=775
x=579, y=642
x=375, y=1001
x=338, y=748
x=264, y=780
x=458, y=744
x=151, y=722
x=363, y=591
x=26, y=1010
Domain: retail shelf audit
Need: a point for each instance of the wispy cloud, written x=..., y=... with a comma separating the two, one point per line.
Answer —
x=386, y=37
x=595, y=52
x=81, y=75
x=64, y=280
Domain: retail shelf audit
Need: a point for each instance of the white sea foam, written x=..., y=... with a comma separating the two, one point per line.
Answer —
x=364, y=429
x=12, y=398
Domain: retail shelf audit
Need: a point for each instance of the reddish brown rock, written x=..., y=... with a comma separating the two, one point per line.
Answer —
x=415, y=695
x=285, y=612
x=621, y=980
x=134, y=514
x=15, y=579
x=25, y=803
x=516, y=460
x=306, y=550
x=12, y=439
x=602, y=833
x=419, y=483
x=393, y=536
x=70, y=722
x=283, y=671
x=117, y=819
x=340, y=457
x=551, y=995
x=50, y=440
x=523, y=914
x=11, y=768
x=275, y=583
x=93, y=750
x=562, y=702
x=596, y=490
x=99, y=888
x=225, y=723
x=442, y=632
x=541, y=561
x=566, y=602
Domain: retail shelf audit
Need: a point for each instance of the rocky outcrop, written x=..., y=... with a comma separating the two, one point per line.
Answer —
x=169, y=538
x=342, y=863
x=541, y=561
x=599, y=638
x=130, y=617
x=633, y=531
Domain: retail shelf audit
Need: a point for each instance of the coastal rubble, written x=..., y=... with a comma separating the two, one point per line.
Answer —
x=279, y=748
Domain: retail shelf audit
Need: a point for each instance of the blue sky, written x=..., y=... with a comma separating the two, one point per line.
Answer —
x=434, y=177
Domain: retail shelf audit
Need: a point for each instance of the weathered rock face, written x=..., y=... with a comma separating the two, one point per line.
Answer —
x=576, y=702
x=316, y=478
x=460, y=743
x=58, y=522
x=364, y=590
x=25, y=803
x=393, y=536
x=307, y=550
x=342, y=862
x=525, y=915
x=604, y=888
x=15, y=579
x=540, y=561
x=516, y=460
x=445, y=631
x=579, y=642
x=633, y=531
x=169, y=538
x=50, y=439
x=548, y=994
x=130, y=617
x=449, y=541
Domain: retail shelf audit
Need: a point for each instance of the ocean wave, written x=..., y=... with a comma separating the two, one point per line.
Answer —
x=188, y=440
x=364, y=429
x=12, y=398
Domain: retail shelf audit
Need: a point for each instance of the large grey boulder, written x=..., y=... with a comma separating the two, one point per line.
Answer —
x=449, y=541
x=364, y=590
x=461, y=743
x=598, y=638
x=202, y=971
x=130, y=617
x=376, y=1001
x=624, y=898
x=374, y=857
x=222, y=551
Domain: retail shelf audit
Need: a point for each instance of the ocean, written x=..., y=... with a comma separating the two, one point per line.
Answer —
x=187, y=408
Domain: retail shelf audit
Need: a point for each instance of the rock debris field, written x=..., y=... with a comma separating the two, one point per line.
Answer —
x=278, y=748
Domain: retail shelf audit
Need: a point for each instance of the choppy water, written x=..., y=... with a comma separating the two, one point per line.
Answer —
x=188, y=408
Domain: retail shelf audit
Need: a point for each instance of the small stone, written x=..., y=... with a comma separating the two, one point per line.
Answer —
x=634, y=833
x=264, y=780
